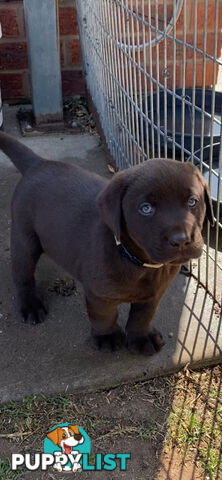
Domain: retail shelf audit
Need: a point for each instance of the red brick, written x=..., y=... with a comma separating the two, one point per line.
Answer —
x=169, y=13
x=27, y=85
x=210, y=44
x=138, y=26
x=13, y=56
x=169, y=2
x=66, y=3
x=74, y=53
x=68, y=21
x=12, y=86
x=23, y=24
x=73, y=82
x=189, y=50
x=9, y=22
x=178, y=72
x=199, y=71
x=169, y=50
x=210, y=16
x=180, y=21
x=62, y=58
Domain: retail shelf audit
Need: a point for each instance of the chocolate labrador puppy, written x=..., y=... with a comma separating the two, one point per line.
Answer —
x=124, y=239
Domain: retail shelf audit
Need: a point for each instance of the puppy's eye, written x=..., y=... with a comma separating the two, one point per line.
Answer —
x=71, y=434
x=64, y=435
x=146, y=209
x=192, y=202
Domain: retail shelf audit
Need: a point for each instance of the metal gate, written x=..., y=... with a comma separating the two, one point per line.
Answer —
x=153, y=69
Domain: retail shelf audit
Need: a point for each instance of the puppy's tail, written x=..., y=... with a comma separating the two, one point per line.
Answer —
x=22, y=156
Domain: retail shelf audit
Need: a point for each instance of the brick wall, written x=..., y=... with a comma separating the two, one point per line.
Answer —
x=210, y=42
x=14, y=71
x=159, y=49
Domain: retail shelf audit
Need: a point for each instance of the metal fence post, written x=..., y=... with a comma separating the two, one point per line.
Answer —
x=44, y=60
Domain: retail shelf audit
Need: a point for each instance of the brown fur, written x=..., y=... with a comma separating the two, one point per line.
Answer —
x=72, y=215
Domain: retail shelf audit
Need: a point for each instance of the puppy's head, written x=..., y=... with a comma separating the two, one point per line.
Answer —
x=161, y=204
x=66, y=437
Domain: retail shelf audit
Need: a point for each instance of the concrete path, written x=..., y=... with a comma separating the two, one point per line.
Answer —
x=57, y=356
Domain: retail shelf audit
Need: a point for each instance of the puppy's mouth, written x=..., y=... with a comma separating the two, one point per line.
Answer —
x=179, y=257
x=67, y=448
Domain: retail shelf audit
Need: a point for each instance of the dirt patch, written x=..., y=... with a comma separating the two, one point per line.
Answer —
x=63, y=286
x=76, y=114
x=171, y=426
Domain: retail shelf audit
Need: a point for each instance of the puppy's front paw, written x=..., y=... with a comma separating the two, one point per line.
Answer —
x=109, y=342
x=147, y=345
x=33, y=311
x=76, y=467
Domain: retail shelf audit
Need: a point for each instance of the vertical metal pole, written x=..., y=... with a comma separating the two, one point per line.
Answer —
x=194, y=78
x=44, y=60
x=120, y=120
x=192, y=109
x=127, y=26
x=123, y=26
x=183, y=78
x=157, y=78
x=121, y=66
x=211, y=144
x=139, y=77
x=151, y=77
x=144, y=36
x=219, y=186
x=203, y=102
x=174, y=82
x=165, y=79
x=135, y=90
x=104, y=15
x=220, y=156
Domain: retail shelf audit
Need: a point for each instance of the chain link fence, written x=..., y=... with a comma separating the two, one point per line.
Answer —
x=153, y=70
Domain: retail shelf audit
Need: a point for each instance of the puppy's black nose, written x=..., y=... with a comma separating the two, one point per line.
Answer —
x=179, y=240
x=78, y=436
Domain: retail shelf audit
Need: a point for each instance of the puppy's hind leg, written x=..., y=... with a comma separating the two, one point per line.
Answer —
x=25, y=252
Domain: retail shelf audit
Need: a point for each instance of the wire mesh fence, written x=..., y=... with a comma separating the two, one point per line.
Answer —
x=153, y=69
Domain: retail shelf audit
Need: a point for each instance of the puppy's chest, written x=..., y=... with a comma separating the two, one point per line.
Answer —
x=138, y=286
x=139, y=289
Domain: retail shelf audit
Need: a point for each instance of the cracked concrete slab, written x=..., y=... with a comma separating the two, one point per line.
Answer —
x=57, y=356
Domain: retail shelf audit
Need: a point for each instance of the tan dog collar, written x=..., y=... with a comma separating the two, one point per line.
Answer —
x=135, y=260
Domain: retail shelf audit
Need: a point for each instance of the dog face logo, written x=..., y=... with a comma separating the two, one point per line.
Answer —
x=67, y=442
x=67, y=448
x=66, y=437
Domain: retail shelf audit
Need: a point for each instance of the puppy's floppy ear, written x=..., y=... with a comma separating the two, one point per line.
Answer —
x=109, y=202
x=77, y=435
x=53, y=436
x=74, y=429
x=207, y=198
x=209, y=205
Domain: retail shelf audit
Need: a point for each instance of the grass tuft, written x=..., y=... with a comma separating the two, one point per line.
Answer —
x=7, y=474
